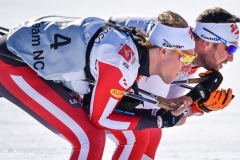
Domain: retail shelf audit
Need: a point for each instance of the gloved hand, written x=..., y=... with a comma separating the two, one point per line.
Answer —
x=195, y=110
x=171, y=118
x=205, y=88
x=218, y=100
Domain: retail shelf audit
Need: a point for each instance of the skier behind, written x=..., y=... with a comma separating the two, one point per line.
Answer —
x=212, y=52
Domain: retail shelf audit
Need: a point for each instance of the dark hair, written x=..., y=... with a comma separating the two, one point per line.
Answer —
x=172, y=19
x=217, y=15
x=168, y=18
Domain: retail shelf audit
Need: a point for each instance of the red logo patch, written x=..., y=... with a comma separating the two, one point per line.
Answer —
x=234, y=29
x=126, y=52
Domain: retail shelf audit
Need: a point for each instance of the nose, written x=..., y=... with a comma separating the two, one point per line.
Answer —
x=230, y=58
x=187, y=67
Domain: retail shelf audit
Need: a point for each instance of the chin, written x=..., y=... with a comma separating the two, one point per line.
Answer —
x=168, y=80
x=220, y=66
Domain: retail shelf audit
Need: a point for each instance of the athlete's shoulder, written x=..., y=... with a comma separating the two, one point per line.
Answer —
x=121, y=49
x=120, y=53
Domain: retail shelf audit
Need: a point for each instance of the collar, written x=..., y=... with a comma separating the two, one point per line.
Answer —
x=143, y=60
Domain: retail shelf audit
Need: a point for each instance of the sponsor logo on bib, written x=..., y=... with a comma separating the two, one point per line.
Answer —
x=117, y=93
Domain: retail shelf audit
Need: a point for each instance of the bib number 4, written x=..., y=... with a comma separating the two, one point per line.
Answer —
x=60, y=40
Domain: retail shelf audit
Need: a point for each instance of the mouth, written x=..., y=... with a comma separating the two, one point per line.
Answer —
x=223, y=63
x=220, y=66
x=177, y=74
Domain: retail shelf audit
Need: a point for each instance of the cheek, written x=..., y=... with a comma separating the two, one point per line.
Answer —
x=173, y=63
x=221, y=54
x=177, y=62
x=176, y=65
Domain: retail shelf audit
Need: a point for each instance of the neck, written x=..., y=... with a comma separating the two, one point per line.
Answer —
x=143, y=60
x=154, y=60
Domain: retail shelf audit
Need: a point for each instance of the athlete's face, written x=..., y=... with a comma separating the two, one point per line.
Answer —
x=172, y=65
x=214, y=56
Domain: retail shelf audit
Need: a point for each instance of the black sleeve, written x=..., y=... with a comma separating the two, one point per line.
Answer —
x=147, y=122
x=128, y=105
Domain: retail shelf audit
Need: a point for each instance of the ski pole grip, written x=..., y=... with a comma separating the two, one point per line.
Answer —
x=165, y=104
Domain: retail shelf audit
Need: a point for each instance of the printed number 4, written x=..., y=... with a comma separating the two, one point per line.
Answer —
x=56, y=43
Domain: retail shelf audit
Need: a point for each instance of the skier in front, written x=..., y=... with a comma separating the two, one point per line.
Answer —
x=58, y=52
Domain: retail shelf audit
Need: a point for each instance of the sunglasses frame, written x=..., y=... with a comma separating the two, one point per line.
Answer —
x=184, y=56
x=228, y=44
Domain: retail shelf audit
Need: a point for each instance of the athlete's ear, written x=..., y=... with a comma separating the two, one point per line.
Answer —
x=206, y=46
x=162, y=50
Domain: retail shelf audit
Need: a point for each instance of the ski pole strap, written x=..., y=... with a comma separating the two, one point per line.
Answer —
x=91, y=42
x=128, y=30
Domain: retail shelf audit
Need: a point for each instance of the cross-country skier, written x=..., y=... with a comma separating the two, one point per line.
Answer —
x=212, y=52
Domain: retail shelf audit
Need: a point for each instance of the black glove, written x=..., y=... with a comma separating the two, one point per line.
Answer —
x=205, y=88
x=169, y=120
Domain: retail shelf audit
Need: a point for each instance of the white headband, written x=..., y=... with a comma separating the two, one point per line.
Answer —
x=181, y=38
x=227, y=31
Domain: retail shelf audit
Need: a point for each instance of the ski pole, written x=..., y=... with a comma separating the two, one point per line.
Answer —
x=161, y=102
x=4, y=29
x=2, y=34
x=148, y=93
x=160, y=98
x=190, y=81
x=186, y=86
x=129, y=94
x=139, y=97
x=183, y=83
x=12, y=56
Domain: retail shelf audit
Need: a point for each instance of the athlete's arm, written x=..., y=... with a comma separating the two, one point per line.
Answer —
x=107, y=93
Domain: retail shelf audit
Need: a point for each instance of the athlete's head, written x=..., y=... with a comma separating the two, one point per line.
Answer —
x=216, y=36
x=171, y=46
